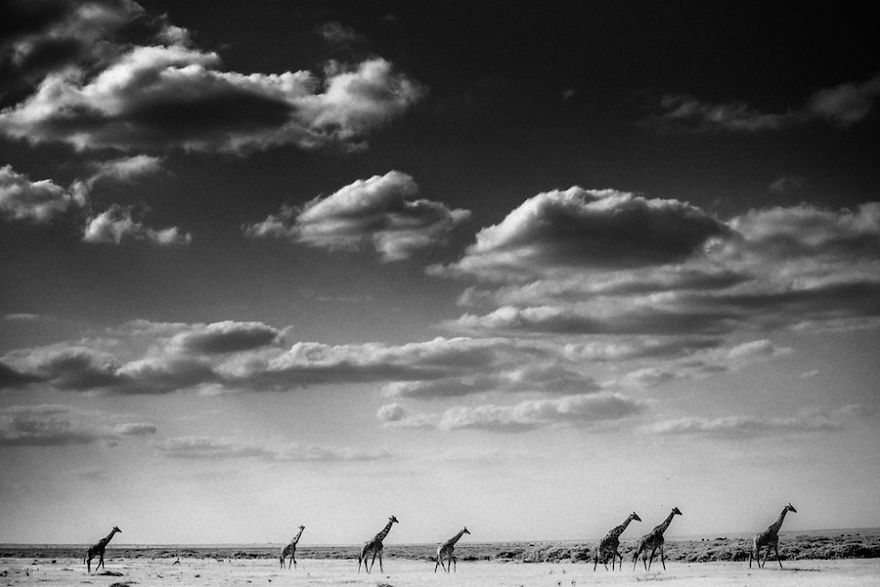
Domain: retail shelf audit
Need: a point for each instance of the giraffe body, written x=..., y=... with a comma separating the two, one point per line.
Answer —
x=374, y=548
x=98, y=550
x=446, y=550
x=654, y=541
x=289, y=550
x=609, y=545
x=768, y=539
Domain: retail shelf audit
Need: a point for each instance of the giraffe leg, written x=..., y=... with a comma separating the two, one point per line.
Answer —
x=455, y=564
x=437, y=564
x=595, y=560
x=636, y=558
x=651, y=560
x=360, y=558
x=293, y=558
x=766, y=556
x=776, y=548
x=100, y=562
x=381, y=570
x=662, y=557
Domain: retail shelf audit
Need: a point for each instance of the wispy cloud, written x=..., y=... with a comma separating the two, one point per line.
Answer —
x=382, y=212
x=58, y=425
x=528, y=415
x=756, y=427
x=223, y=448
x=842, y=105
x=117, y=224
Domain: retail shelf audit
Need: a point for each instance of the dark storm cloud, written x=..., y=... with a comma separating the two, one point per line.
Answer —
x=382, y=212
x=58, y=425
x=587, y=228
x=843, y=105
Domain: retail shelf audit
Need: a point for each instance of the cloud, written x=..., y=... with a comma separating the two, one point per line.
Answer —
x=340, y=36
x=117, y=225
x=842, y=105
x=38, y=202
x=848, y=103
x=109, y=92
x=742, y=427
x=382, y=212
x=784, y=267
x=684, y=113
x=58, y=425
x=219, y=448
x=788, y=185
x=580, y=228
x=44, y=202
x=705, y=363
x=225, y=337
x=524, y=416
x=551, y=378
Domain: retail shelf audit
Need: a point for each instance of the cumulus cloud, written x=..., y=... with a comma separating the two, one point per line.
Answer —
x=117, y=224
x=765, y=269
x=44, y=202
x=38, y=202
x=161, y=91
x=220, y=448
x=58, y=425
x=744, y=427
x=382, y=212
x=575, y=410
x=581, y=228
x=842, y=105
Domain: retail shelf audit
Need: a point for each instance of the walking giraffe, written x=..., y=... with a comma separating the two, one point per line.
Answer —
x=768, y=538
x=446, y=549
x=608, y=546
x=374, y=547
x=98, y=550
x=654, y=540
x=290, y=550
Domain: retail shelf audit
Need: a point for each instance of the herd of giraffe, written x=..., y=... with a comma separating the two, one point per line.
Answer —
x=605, y=549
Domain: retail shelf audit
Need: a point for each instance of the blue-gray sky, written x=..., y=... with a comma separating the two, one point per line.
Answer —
x=270, y=264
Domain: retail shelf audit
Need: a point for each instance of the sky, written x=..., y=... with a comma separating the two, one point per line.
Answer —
x=523, y=267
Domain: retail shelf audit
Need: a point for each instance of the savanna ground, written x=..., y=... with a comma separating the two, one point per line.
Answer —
x=845, y=559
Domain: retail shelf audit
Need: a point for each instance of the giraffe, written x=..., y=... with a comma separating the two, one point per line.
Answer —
x=609, y=545
x=290, y=549
x=654, y=540
x=768, y=538
x=374, y=547
x=98, y=550
x=446, y=549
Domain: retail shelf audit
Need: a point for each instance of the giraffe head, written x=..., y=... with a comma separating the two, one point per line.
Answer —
x=790, y=508
x=677, y=511
x=465, y=531
x=393, y=519
x=116, y=529
x=302, y=527
x=635, y=517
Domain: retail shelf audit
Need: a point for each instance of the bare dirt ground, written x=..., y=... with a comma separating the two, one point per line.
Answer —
x=144, y=572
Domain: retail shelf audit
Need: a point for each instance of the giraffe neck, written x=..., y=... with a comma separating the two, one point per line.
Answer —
x=662, y=527
x=110, y=536
x=778, y=523
x=296, y=538
x=381, y=535
x=456, y=538
x=619, y=529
